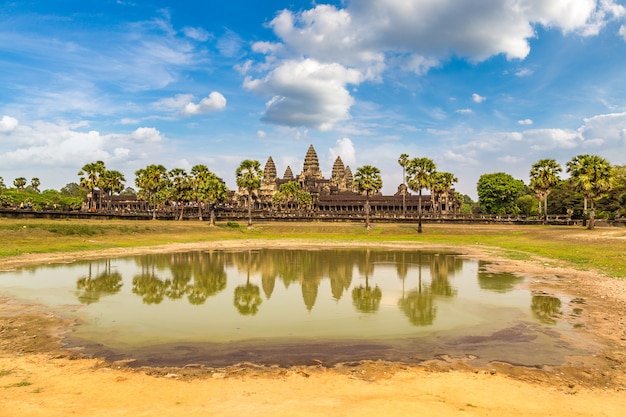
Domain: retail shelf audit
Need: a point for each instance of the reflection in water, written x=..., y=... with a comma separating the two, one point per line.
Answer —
x=546, y=308
x=197, y=276
x=501, y=282
x=104, y=283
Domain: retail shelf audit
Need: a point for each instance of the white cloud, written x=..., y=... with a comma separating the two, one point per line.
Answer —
x=345, y=149
x=261, y=134
x=8, y=123
x=524, y=72
x=230, y=44
x=213, y=102
x=173, y=103
x=525, y=122
x=477, y=98
x=306, y=93
x=198, y=34
x=622, y=31
x=607, y=127
x=147, y=134
x=464, y=111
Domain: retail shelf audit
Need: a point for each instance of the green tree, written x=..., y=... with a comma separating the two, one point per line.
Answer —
x=498, y=193
x=248, y=177
x=19, y=183
x=215, y=193
x=2, y=186
x=152, y=181
x=544, y=176
x=111, y=181
x=403, y=161
x=592, y=176
x=180, y=188
x=90, y=179
x=441, y=183
x=419, y=176
x=291, y=193
x=367, y=181
x=34, y=184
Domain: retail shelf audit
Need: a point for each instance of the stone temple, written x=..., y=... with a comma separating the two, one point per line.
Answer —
x=336, y=195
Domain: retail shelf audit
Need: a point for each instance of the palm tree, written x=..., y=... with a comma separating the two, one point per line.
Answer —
x=35, y=183
x=151, y=180
x=441, y=184
x=90, y=179
x=404, y=162
x=248, y=177
x=19, y=183
x=367, y=181
x=215, y=192
x=544, y=175
x=419, y=175
x=179, y=188
x=112, y=181
x=591, y=175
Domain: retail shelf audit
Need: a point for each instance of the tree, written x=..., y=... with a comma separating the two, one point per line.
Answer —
x=441, y=183
x=419, y=173
x=90, y=179
x=498, y=192
x=248, y=177
x=367, y=181
x=216, y=193
x=291, y=193
x=403, y=161
x=544, y=175
x=111, y=181
x=180, y=188
x=19, y=183
x=2, y=186
x=151, y=181
x=592, y=176
x=34, y=184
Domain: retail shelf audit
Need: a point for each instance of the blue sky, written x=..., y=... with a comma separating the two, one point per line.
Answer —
x=478, y=86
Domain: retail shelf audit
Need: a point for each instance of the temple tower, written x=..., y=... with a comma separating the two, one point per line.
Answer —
x=349, y=179
x=311, y=169
x=288, y=175
x=338, y=176
x=269, y=172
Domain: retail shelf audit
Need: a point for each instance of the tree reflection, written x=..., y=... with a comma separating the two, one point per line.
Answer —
x=248, y=297
x=366, y=299
x=418, y=305
x=105, y=283
x=546, y=308
x=501, y=282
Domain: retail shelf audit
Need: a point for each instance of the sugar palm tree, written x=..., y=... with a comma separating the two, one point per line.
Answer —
x=404, y=162
x=112, y=181
x=367, y=181
x=151, y=182
x=248, y=177
x=441, y=184
x=90, y=178
x=591, y=175
x=216, y=192
x=419, y=176
x=179, y=188
x=35, y=183
x=544, y=175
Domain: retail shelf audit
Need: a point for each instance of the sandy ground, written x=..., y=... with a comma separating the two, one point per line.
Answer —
x=40, y=378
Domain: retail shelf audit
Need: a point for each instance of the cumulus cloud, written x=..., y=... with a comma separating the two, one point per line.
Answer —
x=526, y=122
x=147, y=134
x=477, y=98
x=213, y=102
x=306, y=93
x=8, y=123
x=368, y=37
x=345, y=149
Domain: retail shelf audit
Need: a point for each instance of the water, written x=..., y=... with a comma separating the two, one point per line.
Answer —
x=294, y=306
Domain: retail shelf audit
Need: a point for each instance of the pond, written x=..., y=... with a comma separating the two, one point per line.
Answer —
x=285, y=307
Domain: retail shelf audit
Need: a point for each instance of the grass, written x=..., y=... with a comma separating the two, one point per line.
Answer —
x=602, y=249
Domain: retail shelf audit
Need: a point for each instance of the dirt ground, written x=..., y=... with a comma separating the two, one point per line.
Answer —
x=38, y=377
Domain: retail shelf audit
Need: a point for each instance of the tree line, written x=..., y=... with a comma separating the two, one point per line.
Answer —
x=594, y=188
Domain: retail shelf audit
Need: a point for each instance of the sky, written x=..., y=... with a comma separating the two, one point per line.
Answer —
x=478, y=86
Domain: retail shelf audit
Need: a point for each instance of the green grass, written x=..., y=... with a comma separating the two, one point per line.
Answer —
x=602, y=249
